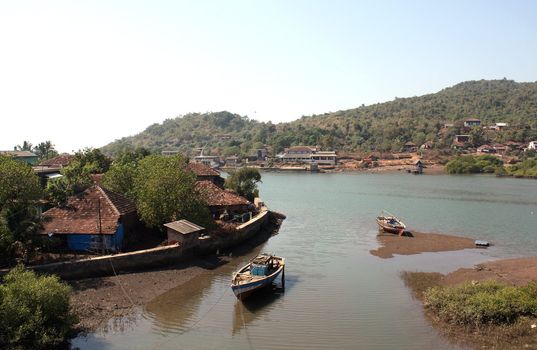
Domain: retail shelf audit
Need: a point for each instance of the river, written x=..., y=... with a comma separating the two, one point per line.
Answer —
x=337, y=295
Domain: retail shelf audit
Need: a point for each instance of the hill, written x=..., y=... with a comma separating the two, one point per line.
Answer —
x=383, y=126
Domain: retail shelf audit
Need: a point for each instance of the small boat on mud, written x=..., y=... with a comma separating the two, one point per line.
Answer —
x=257, y=274
x=391, y=224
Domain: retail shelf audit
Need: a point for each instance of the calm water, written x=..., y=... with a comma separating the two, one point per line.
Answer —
x=337, y=295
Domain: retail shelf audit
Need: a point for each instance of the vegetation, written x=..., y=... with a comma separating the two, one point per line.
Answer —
x=43, y=150
x=120, y=177
x=165, y=191
x=483, y=303
x=474, y=165
x=19, y=220
x=527, y=168
x=383, y=127
x=35, y=310
x=244, y=182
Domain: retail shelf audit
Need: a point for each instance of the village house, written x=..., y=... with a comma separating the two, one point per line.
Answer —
x=532, y=145
x=471, y=122
x=51, y=168
x=427, y=145
x=95, y=220
x=486, y=149
x=499, y=148
x=409, y=147
x=459, y=141
x=308, y=154
x=261, y=154
x=206, y=173
x=232, y=161
x=498, y=126
x=23, y=156
x=223, y=203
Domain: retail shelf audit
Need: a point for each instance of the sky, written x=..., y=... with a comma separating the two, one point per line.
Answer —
x=84, y=73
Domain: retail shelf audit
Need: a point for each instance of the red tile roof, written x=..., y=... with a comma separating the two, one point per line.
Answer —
x=81, y=213
x=216, y=196
x=59, y=161
x=202, y=170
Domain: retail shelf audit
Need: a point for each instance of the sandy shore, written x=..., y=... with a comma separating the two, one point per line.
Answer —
x=96, y=300
x=419, y=243
x=517, y=271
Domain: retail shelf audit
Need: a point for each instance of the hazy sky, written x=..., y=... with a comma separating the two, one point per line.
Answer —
x=83, y=73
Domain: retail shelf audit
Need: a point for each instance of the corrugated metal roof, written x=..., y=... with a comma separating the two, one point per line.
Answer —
x=184, y=226
x=19, y=153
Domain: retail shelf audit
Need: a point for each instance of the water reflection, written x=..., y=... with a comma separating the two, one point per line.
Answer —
x=255, y=306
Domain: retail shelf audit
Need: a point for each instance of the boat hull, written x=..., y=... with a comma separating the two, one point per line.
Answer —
x=383, y=226
x=242, y=291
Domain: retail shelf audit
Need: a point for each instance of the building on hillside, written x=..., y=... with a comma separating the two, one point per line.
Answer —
x=223, y=203
x=51, y=168
x=427, y=145
x=232, y=161
x=261, y=154
x=95, y=220
x=206, y=173
x=515, y=146
x=486, y=149
x=212, y=161
x=409, y=147
x=499, y=126
x=308, y=154
x=532, y=145
x=185, y=233
x=471, y=122
x=23, y=156
x=60, y=161
x=499, y=148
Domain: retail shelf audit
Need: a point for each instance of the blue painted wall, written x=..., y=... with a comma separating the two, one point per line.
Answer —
x=83, y=242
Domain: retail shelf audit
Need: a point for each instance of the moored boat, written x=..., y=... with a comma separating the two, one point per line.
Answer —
x=391, y=224
x=257, y=274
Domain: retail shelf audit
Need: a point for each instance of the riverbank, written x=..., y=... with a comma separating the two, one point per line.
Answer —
x=97, y=300
x=521, y=333
x=419, y=242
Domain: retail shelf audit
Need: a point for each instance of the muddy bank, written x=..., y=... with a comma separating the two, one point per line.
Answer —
x=97, y=300
x=419, y=242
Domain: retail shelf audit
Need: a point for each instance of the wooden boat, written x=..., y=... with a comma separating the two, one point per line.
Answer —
x=391, y=224
x=257, y=274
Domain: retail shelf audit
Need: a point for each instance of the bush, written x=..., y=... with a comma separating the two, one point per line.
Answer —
x=474, y=165
x=483, y=303
x=34, y=310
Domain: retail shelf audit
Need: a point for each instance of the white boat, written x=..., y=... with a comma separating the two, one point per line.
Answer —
x=257, y=274
x=391, y=224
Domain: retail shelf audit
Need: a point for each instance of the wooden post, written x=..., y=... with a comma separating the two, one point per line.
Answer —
x=283, y=277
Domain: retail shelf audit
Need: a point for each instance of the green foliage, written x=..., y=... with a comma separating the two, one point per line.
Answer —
x=483, y=303
x=26, y=146
x=527, y=168
x=35, y=310
x=474, y=165
x=120, y=179
x=19, y=221
x=383, y=126
x=244, y=182
x=58, y=190
x=165, y=191
x=45, y=150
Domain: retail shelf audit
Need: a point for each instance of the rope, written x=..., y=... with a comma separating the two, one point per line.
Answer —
x=120, y=284
x=244, y=326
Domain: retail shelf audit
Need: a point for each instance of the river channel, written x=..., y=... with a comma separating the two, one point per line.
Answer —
x=337, y=295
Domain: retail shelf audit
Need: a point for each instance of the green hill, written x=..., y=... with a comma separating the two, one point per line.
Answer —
x=383, y=126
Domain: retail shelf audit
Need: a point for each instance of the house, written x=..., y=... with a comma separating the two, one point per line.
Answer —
x=232, y=161
x=532, y=145
x=308, y=154
x=207, y=160
x=498, y=126
x=487, y=149
x=427, y=145
x=206, y=173
x=261, y=154
x=499, y=148
x=60, y=161
x=24, y=156
x=51, y=168
x=471, y=122
x=95, y=220
x=184, y=232
x=222, y=202
x=515, y=146
x=409, y=147
x=462, y=138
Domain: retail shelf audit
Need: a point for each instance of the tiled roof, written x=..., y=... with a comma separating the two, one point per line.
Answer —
x=216, y=196
x=61, y=160
x=81, y=214
x=202, y=170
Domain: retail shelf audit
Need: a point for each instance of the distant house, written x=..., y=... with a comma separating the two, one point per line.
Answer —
x=60, y=161
x=487, y=149
x=499, y=148
x=232, y=161
x=499, y=126
x=23, y=156
x=261, y=153
x=409, y=147
x=94, y=220
x=532, y=145
x=471, y=122
x=184, y=232
x=206, y=173
x=462, y=138
x=207, y=160
x=515, y=146
x=51, y=168
x=308, y=154
x=427, y=145
x=222, y=202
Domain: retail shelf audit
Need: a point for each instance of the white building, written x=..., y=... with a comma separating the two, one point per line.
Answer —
x=533, y=145
x=307, y=154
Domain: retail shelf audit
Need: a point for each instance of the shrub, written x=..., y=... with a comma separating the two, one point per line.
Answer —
x=34, y=310
x=474, y=165
x=483, y=303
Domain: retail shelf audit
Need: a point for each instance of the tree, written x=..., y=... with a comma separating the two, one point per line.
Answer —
x=45, y=150
x=19, y=219
x=244, y=182
x=165, y=191
x=35, y=310
x=120, y=178
x=26, y=146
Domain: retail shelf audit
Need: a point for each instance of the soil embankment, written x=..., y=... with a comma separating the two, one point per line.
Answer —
x=419, y=242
